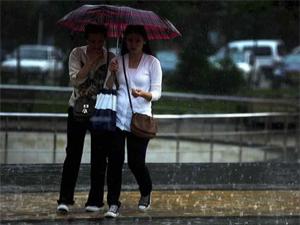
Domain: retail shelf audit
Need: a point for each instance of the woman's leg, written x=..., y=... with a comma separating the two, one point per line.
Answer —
x=75, y=138
x=114, y=168
x=136, y=151
x=100, y=145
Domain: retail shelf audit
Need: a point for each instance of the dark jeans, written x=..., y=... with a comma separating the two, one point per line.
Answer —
x=100, y=141
x=136, y=154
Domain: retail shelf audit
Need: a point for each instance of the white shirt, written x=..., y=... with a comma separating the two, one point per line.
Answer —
x=147, y=77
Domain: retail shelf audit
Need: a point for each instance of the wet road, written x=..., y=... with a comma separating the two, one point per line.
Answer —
x=173, y=221
x=169, y=207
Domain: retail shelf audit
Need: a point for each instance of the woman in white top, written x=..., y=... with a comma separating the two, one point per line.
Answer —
x=144, y=77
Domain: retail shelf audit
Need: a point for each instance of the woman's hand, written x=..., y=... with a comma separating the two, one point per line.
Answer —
x=140, y=93
x=113, y=66
x=93, y=58
x=136, y=92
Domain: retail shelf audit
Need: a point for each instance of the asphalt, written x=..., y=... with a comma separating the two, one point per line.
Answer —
x=168, y=207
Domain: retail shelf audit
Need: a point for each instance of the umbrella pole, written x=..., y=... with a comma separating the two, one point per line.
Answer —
x=117, y=50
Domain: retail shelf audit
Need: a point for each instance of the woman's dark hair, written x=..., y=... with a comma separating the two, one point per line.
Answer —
x=136, y=29
x=94, y=29
x=97, y=29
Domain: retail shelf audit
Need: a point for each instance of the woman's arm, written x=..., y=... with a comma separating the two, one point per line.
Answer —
x=155, y=83
x=79, y=72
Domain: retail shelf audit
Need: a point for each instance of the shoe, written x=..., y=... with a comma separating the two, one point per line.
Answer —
x=93, y=208
x=62, y=208
x=112, y=212
x=145, y=202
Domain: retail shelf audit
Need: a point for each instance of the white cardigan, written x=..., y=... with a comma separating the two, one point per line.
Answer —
x=147, y=77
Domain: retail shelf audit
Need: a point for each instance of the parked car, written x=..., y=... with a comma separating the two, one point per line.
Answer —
x=168, y=60
x=296, y=50
x=288, y=70
x=37, y=60
x=242, y=60
x=264, y=54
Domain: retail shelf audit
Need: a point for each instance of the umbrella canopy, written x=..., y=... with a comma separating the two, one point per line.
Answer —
x=116, y=18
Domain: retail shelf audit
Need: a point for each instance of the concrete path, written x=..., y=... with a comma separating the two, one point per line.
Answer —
x=168, y=207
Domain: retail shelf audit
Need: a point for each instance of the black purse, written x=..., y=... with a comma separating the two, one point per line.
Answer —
x=84, y=108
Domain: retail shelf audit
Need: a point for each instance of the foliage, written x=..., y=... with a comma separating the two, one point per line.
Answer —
x=195, y=74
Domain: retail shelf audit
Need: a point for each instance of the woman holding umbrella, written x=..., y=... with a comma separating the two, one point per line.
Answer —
x=144, y=75
x=87, y=70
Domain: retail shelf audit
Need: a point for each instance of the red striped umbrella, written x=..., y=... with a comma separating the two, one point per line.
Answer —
x=116, y=18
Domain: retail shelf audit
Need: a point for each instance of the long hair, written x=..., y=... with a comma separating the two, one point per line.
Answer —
x=136, y=29
x=98, y=29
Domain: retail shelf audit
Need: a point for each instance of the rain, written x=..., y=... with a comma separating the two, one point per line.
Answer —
x=227, y=150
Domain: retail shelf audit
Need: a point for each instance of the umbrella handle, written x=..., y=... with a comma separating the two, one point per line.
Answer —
x=117, y=50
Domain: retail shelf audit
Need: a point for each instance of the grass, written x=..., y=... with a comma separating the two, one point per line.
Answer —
x=163, y=106
x=58, y=102
x=192, y=107
x=293, y=92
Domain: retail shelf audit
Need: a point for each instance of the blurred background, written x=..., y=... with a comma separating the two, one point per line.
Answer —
x=206, y=49
x=233, y=57
x=229, y=115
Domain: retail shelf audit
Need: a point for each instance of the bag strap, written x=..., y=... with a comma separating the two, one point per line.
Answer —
x=124, y=69
x=107, y=60
x=107, y=64
x=116, y=82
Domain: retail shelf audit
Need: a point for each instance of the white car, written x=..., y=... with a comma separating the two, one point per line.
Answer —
x=264, y=55
x=296, y=50
x=239, y=58
x=266, y=52
x=34, y=59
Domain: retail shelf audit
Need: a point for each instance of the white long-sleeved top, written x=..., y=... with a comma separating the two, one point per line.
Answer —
x=147, y=77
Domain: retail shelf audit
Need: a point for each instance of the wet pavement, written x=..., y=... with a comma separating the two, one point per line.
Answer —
x=168, y=207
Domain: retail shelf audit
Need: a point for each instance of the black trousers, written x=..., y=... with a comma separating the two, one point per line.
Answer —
x=136, y=155
x=100, y=142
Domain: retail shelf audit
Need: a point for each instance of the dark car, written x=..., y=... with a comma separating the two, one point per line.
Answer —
x=288, y=70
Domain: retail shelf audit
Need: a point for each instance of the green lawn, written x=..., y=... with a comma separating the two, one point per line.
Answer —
x=163, y=106
x=57, y=102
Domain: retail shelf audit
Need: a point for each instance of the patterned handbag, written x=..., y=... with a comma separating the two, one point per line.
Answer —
x=84, y=108
x=104, y=117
